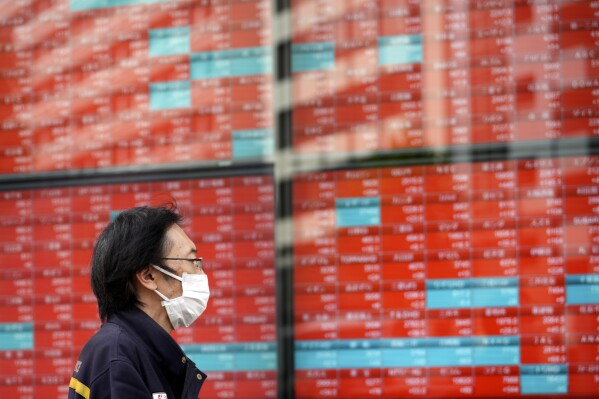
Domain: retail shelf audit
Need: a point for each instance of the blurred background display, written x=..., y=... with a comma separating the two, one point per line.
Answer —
x=466, y=279
x=404, y=74
x=393, y=198
x=48, y=311
x=108, y=83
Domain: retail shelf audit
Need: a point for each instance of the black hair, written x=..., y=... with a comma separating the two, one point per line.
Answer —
x=135, y=239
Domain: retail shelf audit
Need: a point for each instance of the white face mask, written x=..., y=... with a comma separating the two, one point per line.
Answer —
x=184, y=310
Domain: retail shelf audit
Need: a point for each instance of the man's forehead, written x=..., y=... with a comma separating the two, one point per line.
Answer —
x=180, y=240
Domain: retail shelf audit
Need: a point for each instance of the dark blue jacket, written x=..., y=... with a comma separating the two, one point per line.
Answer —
x=134, y=357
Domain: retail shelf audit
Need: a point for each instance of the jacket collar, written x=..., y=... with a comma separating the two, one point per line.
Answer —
x=161, y=346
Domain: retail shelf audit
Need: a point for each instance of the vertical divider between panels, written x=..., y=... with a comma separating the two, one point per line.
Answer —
x=282, y=113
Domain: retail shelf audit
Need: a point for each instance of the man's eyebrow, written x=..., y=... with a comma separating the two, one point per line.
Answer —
x=193, y=250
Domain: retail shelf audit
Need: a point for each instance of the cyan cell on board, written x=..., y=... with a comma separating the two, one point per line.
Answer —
x=252, y=143
x=312, y=56
x=170, y=95
x=170, y=41
x=403, y=49
x=316, y=359
x=358, y=211
x=256, y=361
x=455, y=298
x=16, y=336
x=404, y=357
x=582, y=289
x=496, y=355
x=495, y=297
x=449, y=356
x=83, y=5
x=231, y=63
x=360, y=358
x=233, y=357
x=543, y=379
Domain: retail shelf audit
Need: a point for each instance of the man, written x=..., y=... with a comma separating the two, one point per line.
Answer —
x=148, y=280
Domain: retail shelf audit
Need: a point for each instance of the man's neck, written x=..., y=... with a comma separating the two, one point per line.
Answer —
x=158, y=315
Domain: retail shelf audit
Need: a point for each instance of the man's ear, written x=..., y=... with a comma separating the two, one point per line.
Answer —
x=146, y=278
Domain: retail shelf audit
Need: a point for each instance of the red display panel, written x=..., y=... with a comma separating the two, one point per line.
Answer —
x=448, y=280
x=380, y=75
x=100, y=84
x=48, y=311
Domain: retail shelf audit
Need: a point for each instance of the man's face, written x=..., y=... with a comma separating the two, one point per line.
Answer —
x=182, y=247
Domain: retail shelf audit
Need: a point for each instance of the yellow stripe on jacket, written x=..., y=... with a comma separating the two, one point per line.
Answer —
x=79, y=387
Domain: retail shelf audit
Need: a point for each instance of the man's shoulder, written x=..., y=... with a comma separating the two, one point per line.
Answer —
x=108, y=346
x=107, y=336
x=109, y=343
